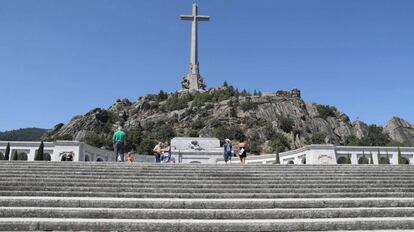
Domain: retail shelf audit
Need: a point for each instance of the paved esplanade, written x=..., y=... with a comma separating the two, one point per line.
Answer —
x=193, y=80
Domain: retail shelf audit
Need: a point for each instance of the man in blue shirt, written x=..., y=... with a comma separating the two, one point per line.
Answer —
x=119, y=140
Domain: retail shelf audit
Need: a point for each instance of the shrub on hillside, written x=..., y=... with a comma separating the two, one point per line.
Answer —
x=176, y=102
x=286, y=124
x=255, y=144
x=98, y=141
x=230, y=132
x=279, y=143
x=318, y=138
x=197, y=124
x=248, y=105
x=326, y=111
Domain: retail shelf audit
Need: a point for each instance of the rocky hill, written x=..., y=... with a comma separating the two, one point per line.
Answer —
x=23, y=134
x=270, y=122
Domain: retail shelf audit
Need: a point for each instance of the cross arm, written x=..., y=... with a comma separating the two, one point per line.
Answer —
x=187, y=17
x=203, y=18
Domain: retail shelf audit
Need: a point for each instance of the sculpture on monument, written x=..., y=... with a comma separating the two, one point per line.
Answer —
x=193, y=80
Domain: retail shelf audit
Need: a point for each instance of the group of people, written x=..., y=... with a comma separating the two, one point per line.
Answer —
x=162, y=151
x=239, y=150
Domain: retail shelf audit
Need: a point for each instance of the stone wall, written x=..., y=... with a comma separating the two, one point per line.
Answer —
x=331, y=154
x=80, y=151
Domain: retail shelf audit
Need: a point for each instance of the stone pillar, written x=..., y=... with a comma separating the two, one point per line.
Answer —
x=31, y=154
x=393, y=158
x=376, y=158
x=354, y=158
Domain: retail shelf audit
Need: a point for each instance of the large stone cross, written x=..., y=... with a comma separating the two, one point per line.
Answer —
x=193, y=80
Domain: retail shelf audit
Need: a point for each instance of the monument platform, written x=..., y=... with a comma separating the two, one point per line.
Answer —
x=196, y=150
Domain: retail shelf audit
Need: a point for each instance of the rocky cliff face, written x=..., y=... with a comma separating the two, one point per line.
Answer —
x=400, y=130
x=272, y=121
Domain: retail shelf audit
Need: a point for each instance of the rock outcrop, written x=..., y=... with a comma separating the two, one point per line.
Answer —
x=400, y=130
x=272, y=120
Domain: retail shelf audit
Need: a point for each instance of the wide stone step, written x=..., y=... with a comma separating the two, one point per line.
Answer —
x=214, y=177
x=390, y=230
x=157, y=189
x=129, y=213
x=149, y=165
x=212, y=174
x=220, y=182
x=213, y=185
x=205, y=195
x=153, y=166
x=203, y=169
x=76, y=224
x=206, y=170
x=183, y=167
x=176, y=203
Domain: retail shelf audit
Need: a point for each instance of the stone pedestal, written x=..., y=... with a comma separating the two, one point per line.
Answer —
x=196, y=150
x=193, y=82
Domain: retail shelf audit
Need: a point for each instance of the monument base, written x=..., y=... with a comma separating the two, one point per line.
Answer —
x=196, y=150
x=193, y=83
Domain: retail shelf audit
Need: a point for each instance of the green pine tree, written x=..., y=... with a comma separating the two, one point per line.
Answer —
x=277, y=158
x=39, y=154
x=348, y=159
x=400, y=158
x=371, y=161
x=7, y=153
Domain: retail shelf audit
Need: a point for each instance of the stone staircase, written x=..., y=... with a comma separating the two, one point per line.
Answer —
x=47, y=196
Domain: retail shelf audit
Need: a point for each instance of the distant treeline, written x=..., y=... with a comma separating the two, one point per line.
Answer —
x=25, y=134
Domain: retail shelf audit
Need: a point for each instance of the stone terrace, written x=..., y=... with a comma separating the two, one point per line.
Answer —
x=147, y=197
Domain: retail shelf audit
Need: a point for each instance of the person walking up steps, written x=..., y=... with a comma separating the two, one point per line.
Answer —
x=119, y=139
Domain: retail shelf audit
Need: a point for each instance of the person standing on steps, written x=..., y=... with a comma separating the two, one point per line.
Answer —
x=119, y=139
x=157, y=152
x=242, y=153
x=228, y=149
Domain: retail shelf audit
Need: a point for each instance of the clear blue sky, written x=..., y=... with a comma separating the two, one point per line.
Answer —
x=62, y=58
